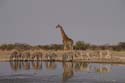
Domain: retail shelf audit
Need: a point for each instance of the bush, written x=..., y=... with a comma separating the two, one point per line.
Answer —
x=81, y=45
x=7, y=47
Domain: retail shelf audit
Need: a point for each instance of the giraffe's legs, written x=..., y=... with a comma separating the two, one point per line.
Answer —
x=65, y=48
x=70, y=47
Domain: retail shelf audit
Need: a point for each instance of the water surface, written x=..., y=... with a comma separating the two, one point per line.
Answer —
x=61, y=72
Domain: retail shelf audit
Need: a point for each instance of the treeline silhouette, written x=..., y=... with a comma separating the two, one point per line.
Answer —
x=79, y=45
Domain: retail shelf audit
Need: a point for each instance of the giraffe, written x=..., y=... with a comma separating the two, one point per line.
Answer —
x=67, y=42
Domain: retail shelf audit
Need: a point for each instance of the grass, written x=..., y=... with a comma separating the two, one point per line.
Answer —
x=118, y=53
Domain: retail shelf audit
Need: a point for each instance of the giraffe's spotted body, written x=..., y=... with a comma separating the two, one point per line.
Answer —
x=67, y=42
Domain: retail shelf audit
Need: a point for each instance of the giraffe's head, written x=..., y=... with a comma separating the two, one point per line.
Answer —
x=58, y=26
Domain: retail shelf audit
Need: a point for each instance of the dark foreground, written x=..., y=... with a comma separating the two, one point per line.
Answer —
x=61, y=72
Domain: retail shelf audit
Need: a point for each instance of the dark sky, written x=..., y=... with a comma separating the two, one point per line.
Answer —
x=34, y=21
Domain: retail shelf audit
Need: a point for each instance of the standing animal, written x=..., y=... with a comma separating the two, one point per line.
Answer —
x=67, y=42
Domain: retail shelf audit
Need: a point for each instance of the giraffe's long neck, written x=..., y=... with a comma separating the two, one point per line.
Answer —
x=64, y=36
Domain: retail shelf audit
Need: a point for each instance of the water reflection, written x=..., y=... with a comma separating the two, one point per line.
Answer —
x=37, y=65
x=50, y=65
x=81, y=67
x=16, y=65
x=100, y=68
x=25, y=65
x=69, y=68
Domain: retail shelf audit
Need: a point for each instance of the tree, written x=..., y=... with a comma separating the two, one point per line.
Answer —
x=81, y=45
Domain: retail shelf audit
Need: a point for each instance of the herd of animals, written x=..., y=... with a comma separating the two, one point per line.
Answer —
x=43, y=55
x=19, y=60
x=68, y=46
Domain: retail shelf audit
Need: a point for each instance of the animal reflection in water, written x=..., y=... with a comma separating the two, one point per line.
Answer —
x=16, y=65
x=101, y=68
x=69, y=68
x=37, y=65
x=25, y=65
x=50, y=65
